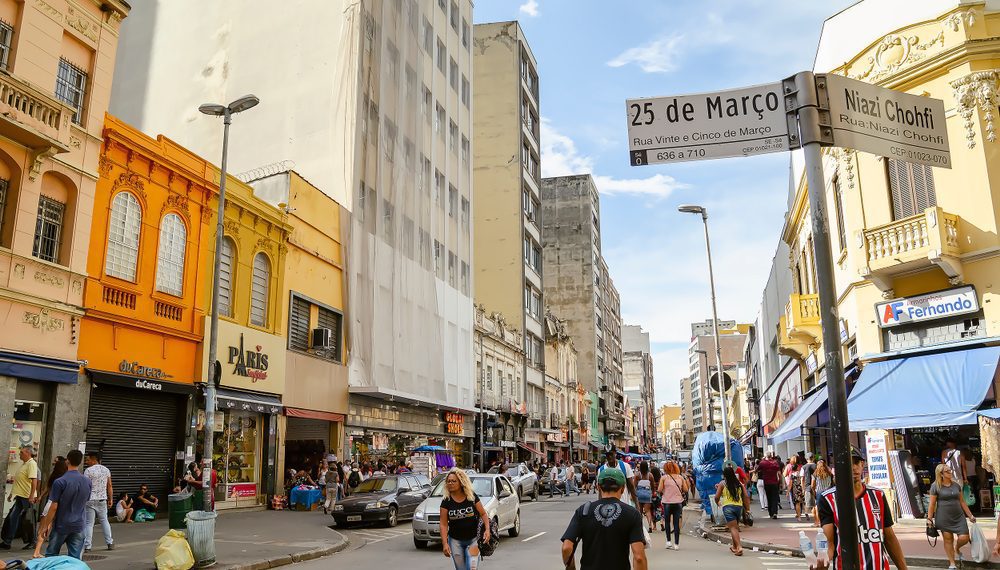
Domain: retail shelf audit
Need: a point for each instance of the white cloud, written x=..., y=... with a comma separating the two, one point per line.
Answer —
x=560, y=157
x=530, y=8
x=657, y=56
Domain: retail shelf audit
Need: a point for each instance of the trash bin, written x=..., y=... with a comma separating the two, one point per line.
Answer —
x=201, y=537
x=178, y=506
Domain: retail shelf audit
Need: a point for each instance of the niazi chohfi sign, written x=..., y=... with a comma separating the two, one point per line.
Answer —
x=928, y=307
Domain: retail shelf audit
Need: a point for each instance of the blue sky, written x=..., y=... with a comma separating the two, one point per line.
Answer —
x=593, y=55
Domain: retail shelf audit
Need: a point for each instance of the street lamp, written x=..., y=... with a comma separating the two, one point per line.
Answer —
x=214, y=371
x=692, y=209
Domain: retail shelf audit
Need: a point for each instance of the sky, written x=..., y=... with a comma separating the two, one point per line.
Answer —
x=593, y=55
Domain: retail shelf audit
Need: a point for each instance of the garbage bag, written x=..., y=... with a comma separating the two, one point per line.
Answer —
x=980, y=548
x=173, y=552
x=707, y=457
x=56, y=563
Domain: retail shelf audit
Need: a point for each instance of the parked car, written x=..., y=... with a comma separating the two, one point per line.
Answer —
x=497, y=495
x=524, y=480
x=387, y=500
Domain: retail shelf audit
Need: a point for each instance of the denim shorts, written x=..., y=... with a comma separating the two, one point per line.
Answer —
x=732, y=512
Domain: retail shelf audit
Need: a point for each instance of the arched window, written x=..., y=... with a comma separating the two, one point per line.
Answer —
x=170, y=259
x=226, y=265
x=258, y=290
x=123, y=237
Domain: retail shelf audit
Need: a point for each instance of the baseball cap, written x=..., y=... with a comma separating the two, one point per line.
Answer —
x=612, y=473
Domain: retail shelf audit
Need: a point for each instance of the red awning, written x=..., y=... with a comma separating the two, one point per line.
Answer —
x=312, y=414
x=530, y=448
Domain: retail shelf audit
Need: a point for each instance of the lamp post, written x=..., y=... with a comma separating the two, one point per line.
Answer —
x=226, y=112
x=691, y=209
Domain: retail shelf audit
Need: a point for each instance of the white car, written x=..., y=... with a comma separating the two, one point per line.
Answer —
x=496, y=493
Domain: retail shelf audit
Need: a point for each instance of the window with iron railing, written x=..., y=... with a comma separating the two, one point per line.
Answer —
x=71, y=88
x=48, y=229
x=6, y=40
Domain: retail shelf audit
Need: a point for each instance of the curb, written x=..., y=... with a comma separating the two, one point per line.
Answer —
x=712, y=535
x=286, y=559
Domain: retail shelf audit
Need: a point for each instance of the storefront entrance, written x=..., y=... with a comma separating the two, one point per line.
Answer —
x=307, y=441
x=28, y=428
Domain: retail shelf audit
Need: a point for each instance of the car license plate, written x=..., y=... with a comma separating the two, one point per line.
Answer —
x=354, y=518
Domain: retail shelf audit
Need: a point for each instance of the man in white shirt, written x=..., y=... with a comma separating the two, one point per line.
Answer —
x=554, y=480
x=101, y=499
x=571, y=479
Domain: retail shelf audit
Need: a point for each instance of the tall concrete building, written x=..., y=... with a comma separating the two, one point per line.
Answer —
x=637, y=381
x=699, y=413
x=579, y=288
x=372, y=102
x=507, y=243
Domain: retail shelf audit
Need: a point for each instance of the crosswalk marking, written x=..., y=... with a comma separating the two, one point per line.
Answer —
x=372, y=536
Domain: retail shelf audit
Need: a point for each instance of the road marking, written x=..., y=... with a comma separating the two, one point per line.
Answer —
x=533, y=537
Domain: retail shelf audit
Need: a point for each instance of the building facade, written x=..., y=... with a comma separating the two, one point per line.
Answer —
x=665, y=417
x=499, y=350
x=566, y=427
x=637, y=380
x=702, y=406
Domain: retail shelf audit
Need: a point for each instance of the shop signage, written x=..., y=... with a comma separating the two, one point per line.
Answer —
x=554, y=437
x=242, y=490
x=454, y=423
x=251, y=359
x=136, y=369
x=248, y=363
x=878, y=459
x=939, y=305
x=505, y=443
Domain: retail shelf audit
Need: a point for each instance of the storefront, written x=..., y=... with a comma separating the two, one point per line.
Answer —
x=309, y=437
x=780, y=400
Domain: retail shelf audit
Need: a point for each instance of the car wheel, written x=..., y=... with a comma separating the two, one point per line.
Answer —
x=516, y=529
x=391, y=519
x=420, y=544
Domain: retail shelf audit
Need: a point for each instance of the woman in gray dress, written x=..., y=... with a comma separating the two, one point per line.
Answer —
x=949, y=512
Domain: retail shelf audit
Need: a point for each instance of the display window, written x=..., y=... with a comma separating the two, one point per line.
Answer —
x=236, y=458
x=27, y=427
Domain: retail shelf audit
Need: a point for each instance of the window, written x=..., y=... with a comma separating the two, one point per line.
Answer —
x=71, y=86
x=48, y=229
x=452, y=200
x=532, y=301
x=226, y=264
x=452, y=261
x=170, y=259
x=532, y=254
x=465, y=33
x=453, y=74
x=4, y=184
x=428, y=37
x=424, y=245
x=530, y=206
x=454, y=16
x=453, y=137
x=443, y=4
x=6, y=38
x=911, y=188
x=439, y=118
x=465, y=212
x=439, y=187
x=489, y=377
x=388, y=228
x=465, y=278
x=425, y=105
x=838, y=202
x=438, y=259
x=123, y=237
x=411, y=82
x=329, y=319
x=393, y=68
x=465, y=150
x=442, y=57
x=259, y=285
x=298, y=324
x=466, y=89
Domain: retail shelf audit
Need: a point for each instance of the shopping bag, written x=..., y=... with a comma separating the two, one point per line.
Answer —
x=718, y=518
x=173, y=552
x=980, y=548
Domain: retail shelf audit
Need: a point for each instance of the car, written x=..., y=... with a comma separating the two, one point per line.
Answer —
x=524, y=480
x=494, y=490
x=546, y=482
x=386, y=499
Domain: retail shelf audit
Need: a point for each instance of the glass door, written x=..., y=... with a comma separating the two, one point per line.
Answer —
x=27, y=427
x=236, y=458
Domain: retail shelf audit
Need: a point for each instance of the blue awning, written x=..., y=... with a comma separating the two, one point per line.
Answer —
x=922, y=391
x=792, y=426
x=20, y=365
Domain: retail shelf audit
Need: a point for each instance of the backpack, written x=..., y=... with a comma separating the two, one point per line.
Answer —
x=353, y=480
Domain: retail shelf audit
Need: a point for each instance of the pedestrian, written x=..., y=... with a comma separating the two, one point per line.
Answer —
x=879, y=542
x=585, y=478
x=24, y=494
x=123, y=508
x=331, y=482
x=769, y=471
x=554, y=480
x=340, y=481
x=643, y=483
x=65, y=521
x=611, y=460
x=461, y=514
x=971, y=475
x=609, y=529
x=654, y=470
x=806, y=474
x=732, y=497
x=949, y=513
x=145, y=505
x=673, y=490
x=793, y=483
x=758, y=482
x=354, y=478
x=821, y=481
x=952, y=457
x=101, y=499
x=571, y=480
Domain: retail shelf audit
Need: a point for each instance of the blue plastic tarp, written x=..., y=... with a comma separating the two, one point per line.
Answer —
x=707, y=457
x=928, y=390
x=792, y=426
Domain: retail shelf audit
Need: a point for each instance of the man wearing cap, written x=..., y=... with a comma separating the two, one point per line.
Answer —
x=610, y=529
x=877, y=541
x=612, y=460
x=24, y=494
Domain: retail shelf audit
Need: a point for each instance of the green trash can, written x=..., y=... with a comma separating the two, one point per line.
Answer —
x=178, y=506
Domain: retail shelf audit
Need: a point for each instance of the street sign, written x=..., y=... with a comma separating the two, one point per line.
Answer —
x=888, y=123
x=737, y=122
x=727, y=381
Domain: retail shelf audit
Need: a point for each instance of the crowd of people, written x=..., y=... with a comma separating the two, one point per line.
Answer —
x=337, y=479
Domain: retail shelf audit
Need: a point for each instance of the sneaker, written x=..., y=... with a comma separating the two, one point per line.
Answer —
x=676, y=547
x=669, y=545
x=111, y=546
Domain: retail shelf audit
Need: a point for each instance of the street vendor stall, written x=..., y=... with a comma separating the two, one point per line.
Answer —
x=430, y=460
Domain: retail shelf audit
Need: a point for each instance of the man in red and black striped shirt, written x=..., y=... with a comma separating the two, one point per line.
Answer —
x=876, y=540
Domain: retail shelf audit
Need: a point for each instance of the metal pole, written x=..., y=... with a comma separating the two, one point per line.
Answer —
x=213, y=339
x=718, y=347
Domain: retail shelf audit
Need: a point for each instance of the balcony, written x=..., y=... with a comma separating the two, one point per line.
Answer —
x=33, y=118
x=799, y=328
x=928, y=239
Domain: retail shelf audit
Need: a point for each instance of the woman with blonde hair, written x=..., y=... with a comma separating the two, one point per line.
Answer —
x=461, y=511
x=949, y=512
x=672, y=489
x=822, y=480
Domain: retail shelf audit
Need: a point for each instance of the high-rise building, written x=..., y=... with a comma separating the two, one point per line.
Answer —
x=507, y=244
x=637, y=381
x=702, y=406
x=372, y=102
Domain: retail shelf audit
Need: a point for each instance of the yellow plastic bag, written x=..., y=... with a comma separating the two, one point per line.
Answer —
x=173, y=552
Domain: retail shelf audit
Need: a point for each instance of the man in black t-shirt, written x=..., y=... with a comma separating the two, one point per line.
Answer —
x=610, y=529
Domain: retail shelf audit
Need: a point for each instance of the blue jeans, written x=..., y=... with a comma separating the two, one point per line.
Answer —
x=460, y=554
x=96, y=510
x=20, y=505
x=72, y=540
x=571, y=485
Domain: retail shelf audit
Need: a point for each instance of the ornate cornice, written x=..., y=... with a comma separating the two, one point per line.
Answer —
x=977, y=91
x=131, y=181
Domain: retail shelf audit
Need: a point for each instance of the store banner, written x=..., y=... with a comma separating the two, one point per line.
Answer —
x=251, y=359
x=928, y=307
x=878, y=459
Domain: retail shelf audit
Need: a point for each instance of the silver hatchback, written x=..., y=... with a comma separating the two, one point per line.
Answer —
x=498, y=498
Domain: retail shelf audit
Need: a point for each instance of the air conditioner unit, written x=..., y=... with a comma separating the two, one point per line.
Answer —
x=322, y=338
x=531, y=216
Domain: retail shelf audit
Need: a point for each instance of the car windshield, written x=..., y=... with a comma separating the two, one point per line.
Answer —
x=483, y=486
x=512, y=472
x=377, y=485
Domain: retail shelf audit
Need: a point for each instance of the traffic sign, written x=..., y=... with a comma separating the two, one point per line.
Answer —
x=737, y=122
x=888, y=123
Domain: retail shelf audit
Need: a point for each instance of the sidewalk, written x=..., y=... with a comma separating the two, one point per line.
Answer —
x=782, y=536
x=243, y=540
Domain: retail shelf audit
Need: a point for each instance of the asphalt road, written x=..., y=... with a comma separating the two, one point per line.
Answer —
x=537, y=547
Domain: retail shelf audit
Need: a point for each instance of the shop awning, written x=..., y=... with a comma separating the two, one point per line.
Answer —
x=313, y=415
x=101, y=377
x=249, y=401
x=530, y=448
x=792, y=426
x=920, y=391
x=21, y=365
x=751, y=431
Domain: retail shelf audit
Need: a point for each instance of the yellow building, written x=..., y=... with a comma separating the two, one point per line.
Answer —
x=916, y=249
x=664, y=416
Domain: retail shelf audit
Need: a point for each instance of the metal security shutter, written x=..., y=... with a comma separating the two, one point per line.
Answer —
x=136, y=433
x=305, y=429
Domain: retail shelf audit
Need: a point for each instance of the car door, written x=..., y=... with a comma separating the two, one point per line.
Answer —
x=409, y=500
x=508, y=504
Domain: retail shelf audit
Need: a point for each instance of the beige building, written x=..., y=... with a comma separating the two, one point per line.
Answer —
x=57, y=59
x=499, y=352
x=567, y=401
x=701, y=407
